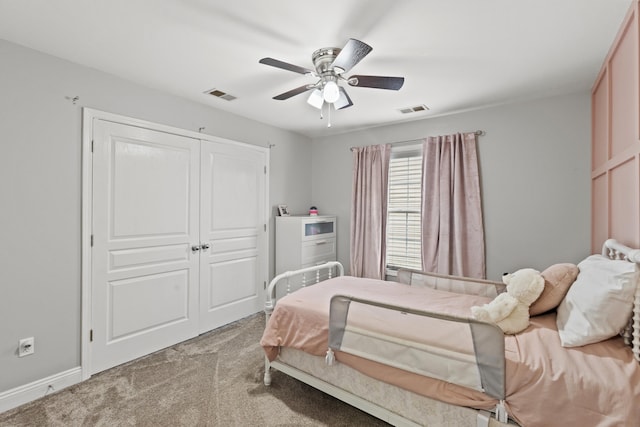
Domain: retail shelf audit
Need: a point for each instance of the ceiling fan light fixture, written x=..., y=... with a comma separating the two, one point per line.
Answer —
x=331, y=92
x=343, y=100
x=315, y=99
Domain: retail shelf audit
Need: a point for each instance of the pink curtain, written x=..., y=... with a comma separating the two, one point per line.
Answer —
x=452, y=228
x=369, y=210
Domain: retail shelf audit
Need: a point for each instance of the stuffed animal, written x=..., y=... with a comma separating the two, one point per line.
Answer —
x=510, y=310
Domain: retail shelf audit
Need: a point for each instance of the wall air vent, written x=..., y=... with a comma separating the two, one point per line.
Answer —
x=415, y=109
x=220, y=94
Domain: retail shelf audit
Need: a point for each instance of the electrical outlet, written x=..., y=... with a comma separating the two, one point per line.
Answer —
x=26, y=347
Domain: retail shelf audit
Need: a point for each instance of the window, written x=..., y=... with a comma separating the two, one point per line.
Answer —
x=403, y=209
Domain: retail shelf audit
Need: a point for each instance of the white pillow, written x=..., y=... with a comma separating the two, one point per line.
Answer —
x=598, y=305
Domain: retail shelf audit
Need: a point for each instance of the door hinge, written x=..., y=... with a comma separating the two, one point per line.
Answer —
x=92, y=145
x=92, y=240
x=264, y=284
x=265, y=170
x=91, y=335
x=265, y=227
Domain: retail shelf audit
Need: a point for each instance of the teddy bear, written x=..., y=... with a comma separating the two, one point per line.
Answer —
x=510, y=310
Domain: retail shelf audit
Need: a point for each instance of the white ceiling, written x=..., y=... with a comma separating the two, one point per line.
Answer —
x=455, y=55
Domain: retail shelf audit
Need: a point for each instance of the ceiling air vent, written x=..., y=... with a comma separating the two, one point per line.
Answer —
x=220, y=94
x=415, y=109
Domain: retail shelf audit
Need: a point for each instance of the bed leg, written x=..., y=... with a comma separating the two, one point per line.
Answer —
x=501, y=412
x=483, y=418
x=267, y=372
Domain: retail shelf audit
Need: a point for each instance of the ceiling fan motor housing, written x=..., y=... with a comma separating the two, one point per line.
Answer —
x=322, y=60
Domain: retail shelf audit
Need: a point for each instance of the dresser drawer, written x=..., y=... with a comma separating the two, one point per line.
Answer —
x=318, y=229
x=319, y=250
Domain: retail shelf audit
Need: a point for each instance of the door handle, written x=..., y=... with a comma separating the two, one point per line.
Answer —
x=195, y=248
x=205, y=246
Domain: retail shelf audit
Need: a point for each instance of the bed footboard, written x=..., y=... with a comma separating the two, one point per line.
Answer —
x=284, y=279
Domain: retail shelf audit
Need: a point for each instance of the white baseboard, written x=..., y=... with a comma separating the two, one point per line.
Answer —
x=26, y=393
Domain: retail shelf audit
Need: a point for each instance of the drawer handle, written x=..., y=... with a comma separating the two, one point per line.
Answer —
x=321, y=242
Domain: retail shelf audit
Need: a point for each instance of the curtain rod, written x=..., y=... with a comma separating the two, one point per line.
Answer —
x=477, y=133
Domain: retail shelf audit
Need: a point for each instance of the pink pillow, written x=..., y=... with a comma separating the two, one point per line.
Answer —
x=557, y=280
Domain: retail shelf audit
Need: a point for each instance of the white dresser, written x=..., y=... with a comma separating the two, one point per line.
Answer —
x=304, y=241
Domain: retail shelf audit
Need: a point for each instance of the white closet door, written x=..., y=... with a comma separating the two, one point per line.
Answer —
x=233, y=268
x=145, y=220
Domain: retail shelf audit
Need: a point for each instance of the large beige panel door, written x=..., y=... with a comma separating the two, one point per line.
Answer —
x=232, y=226
x=145, y=221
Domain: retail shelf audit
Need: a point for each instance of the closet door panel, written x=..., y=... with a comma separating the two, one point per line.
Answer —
x=233, y=181
x=600, y=123
x=624, y=91
x=599, y=213
x=236, y=278
x=624, y=214
x=144, y=293
x=615, y=175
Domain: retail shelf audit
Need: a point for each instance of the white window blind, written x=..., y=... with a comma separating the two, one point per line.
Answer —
x=403, y=210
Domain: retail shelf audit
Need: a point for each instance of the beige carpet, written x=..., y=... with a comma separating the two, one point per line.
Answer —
x=212, y=380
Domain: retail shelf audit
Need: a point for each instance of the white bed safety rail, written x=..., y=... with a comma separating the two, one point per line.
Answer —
x=475, y=360
x=445, y=282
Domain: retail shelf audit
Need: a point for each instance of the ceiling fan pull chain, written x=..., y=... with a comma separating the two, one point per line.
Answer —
x=328, y=115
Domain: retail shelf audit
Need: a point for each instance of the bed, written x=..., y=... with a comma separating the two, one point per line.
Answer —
x=409, y=353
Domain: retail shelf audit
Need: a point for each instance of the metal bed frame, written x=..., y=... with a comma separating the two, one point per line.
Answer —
x=611, y=249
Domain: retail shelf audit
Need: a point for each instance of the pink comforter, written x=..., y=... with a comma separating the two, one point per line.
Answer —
x=547, y=385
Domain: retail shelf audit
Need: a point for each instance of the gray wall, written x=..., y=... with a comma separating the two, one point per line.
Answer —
x=40, y=189
x=535, y=172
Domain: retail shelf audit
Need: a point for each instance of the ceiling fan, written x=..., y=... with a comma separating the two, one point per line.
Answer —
x=330, y=65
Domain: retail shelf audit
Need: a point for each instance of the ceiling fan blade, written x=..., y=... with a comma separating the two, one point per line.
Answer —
x=343, y=101
x=285, y=66
x=293, y=92
x=350, y=55
x=378, y=82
